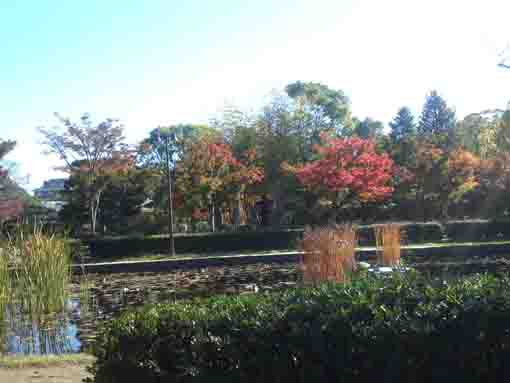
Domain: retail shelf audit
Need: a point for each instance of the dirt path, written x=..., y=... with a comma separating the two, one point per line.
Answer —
x=72, y=373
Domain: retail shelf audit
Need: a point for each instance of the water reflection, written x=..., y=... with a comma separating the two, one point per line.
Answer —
x=30, y=333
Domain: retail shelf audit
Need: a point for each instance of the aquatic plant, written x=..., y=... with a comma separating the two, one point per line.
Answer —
x=328, y=253
x=41, y=269
x=388, y=242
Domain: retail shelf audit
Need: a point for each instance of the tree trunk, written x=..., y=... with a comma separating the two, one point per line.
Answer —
x=444, y=207
x=420, y=202
x=94, y=208
x=444, y=197
x=219, y=219
x=332, y=218
x=277, y=208
x=237, y=210
x=92, y=219
x=213, y=215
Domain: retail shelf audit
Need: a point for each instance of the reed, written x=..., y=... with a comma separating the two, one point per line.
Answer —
x=388, y=244
x=85, y=293
x=328, y=254
x=5, y=293
x=4, y=279
x=42, y=269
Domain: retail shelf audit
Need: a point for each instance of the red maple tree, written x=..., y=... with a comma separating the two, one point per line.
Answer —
x=347, y=169
x=10, y=209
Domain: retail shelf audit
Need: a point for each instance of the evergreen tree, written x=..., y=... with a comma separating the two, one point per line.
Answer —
x=403, y=138
x=368, y=128
x=503, y=133
x=437, y=121
x=402, y=126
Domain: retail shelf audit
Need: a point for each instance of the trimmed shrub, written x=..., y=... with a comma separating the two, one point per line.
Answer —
x=256, y=241
x=423, y=232
x=473, y=231
x=202, y=227
x=401, y=329
x=412, y=233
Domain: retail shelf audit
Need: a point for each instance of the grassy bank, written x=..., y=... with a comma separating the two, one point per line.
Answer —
x=45, y=360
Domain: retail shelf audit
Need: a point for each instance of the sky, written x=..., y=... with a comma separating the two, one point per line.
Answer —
x=158, y=62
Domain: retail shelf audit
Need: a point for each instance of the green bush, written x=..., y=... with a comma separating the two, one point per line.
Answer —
x=472, y=231
x=411, y=233
x=202, y=227
x=217, y=242
x=401, y=329
x=246, y=238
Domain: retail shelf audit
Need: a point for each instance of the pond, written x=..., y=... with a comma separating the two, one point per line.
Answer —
x=107, y=295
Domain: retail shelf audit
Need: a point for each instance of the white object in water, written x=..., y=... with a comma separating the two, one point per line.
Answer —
x=253, y=287
x=386, y=269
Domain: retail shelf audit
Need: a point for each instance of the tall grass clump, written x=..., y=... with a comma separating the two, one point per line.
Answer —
x=86, y=284
x=388, y=242
x=328, y=253
x=4, y=276
x=4, y=281
x=41, y=269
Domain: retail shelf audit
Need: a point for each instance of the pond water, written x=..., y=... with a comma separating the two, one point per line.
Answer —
x=74, y=328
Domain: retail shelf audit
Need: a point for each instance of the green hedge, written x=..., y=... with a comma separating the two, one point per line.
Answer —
x=256, y=241
x=411, y=233
x=240, y=241
x=473, y=231
x=399, y=330
x=457, y=231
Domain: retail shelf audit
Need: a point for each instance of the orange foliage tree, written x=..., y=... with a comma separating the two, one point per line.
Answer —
x=348, y=170
x=428, y=171
x=463, y=174
x=209, y=168
x=495, y=184
x=443, y=178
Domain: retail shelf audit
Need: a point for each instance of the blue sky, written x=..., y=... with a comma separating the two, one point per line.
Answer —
x=158, y=62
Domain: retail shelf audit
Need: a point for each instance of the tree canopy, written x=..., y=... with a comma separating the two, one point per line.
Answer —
x=94, y=151
x=303, y=153
x=437, y=120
